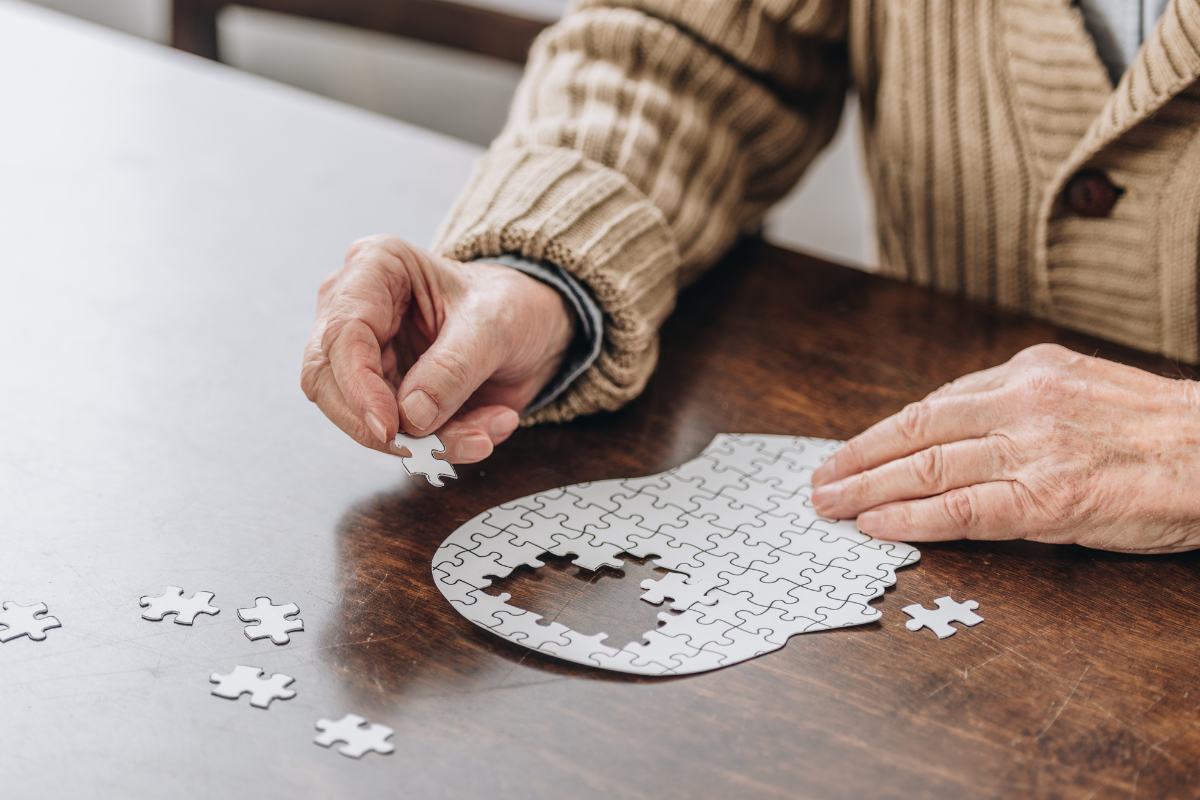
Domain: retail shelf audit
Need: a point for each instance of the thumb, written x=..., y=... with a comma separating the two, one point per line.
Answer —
x=445, y=376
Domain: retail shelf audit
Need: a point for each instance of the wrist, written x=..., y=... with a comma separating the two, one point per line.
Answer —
x=583, y=338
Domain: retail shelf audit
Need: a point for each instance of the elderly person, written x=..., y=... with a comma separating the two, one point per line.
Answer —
x=1042, y=156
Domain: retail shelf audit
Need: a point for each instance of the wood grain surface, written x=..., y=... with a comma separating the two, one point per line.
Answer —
x=1081, y=682
x=166, y=223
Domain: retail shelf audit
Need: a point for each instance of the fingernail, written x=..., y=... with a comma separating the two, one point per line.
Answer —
x=505, y=423
x=824, y=472
x=420, y=409
x=471, y=449
x=377, y=427
x=870, y=522
x=826, y=497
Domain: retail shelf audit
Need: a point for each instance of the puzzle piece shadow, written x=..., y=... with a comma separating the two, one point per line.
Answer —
x=392, y=636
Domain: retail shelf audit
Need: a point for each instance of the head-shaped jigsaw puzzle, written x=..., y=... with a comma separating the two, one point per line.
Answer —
x=752, y=563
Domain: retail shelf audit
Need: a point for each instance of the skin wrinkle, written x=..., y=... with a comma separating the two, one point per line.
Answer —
x=738, y=80
x=481, y=340
x=1129, y=490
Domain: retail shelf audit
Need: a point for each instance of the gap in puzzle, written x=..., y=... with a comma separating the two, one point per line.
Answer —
x=751, y=562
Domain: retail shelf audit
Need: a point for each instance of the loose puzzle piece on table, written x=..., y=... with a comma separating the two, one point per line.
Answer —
x=752, y=563
x=172, y=601
x=272, y=620
x=359, y=737
x=938, y=619
x=422, y=462
x=247, y=679
x=17, y=620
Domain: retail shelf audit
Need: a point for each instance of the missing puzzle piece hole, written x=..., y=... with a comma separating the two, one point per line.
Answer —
x=587, y=601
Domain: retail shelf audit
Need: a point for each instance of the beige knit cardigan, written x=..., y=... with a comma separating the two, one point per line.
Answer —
x=647, y=134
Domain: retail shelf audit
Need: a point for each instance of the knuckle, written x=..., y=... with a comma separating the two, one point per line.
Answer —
x=333, y=330
x=929, y=467
x=368, y=245
x=458, y=369
x=860, y=488
x=960, y=507
x=310, y=380
x=944, y=389
x=330, y=282
x=1045, y=353
x=913, y=421
x=849, y=458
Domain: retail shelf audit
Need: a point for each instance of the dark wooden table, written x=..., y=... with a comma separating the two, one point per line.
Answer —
x=154, y=309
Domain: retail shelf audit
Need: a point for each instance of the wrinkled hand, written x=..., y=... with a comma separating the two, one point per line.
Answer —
x=405, y=339
x=1052, y=446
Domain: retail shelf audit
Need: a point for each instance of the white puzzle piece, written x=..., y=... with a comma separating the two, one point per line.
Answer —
x=272, y=620
x=752, y=563
x=938, y=619
x=248, y=680
x=17, y=620
x=172, y=601
x=422, y=462
x=359, y=737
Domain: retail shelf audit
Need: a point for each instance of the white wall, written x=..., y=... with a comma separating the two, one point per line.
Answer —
x=467, y=96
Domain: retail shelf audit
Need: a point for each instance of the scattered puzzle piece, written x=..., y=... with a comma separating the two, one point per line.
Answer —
x=17, y=620
x=422, y=462
x=172, y=601
x=938, y=620
x=247, y=679
x=752, y=563
x=272, y=620
x=359, y=737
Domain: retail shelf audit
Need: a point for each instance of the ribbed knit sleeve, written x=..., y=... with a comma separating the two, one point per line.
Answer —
x=644, y=138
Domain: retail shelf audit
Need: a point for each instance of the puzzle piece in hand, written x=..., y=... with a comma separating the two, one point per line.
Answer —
x=247, y=679
x=751, y=562
x=272, y=620
x=938, y=619
x=172, y=601
x=359, y=737
x=422, y=462
x=17, y=620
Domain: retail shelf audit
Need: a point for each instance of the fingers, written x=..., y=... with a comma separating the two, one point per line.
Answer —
x=471, y=436
x=930, y=472
x=994, y=510
x=917, y=427
x=360, y=308
x=323, y=390
x=459, y=360
x=356, y=363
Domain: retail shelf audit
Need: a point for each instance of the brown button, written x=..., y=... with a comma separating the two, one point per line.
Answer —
x=1090, y=193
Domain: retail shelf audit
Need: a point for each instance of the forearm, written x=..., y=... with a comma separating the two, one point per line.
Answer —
x=644, y=139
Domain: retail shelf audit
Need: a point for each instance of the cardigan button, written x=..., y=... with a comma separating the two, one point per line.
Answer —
x=1090, y=193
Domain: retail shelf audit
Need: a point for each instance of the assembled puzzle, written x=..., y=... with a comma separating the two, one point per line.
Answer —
x=751, y=563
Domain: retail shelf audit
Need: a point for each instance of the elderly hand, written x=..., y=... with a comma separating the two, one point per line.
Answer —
x=410, y=340
x=1052, y=446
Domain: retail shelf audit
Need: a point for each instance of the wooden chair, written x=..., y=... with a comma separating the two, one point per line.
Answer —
x=478, y=30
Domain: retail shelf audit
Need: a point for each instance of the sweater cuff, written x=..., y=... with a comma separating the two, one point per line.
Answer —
x=552, y=204
x=585, y=347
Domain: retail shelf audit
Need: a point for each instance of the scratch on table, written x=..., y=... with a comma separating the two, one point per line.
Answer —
x=1152, y=745
x=485, y=689
x=376, y=589
x=1065, y=703
x=966, y=674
